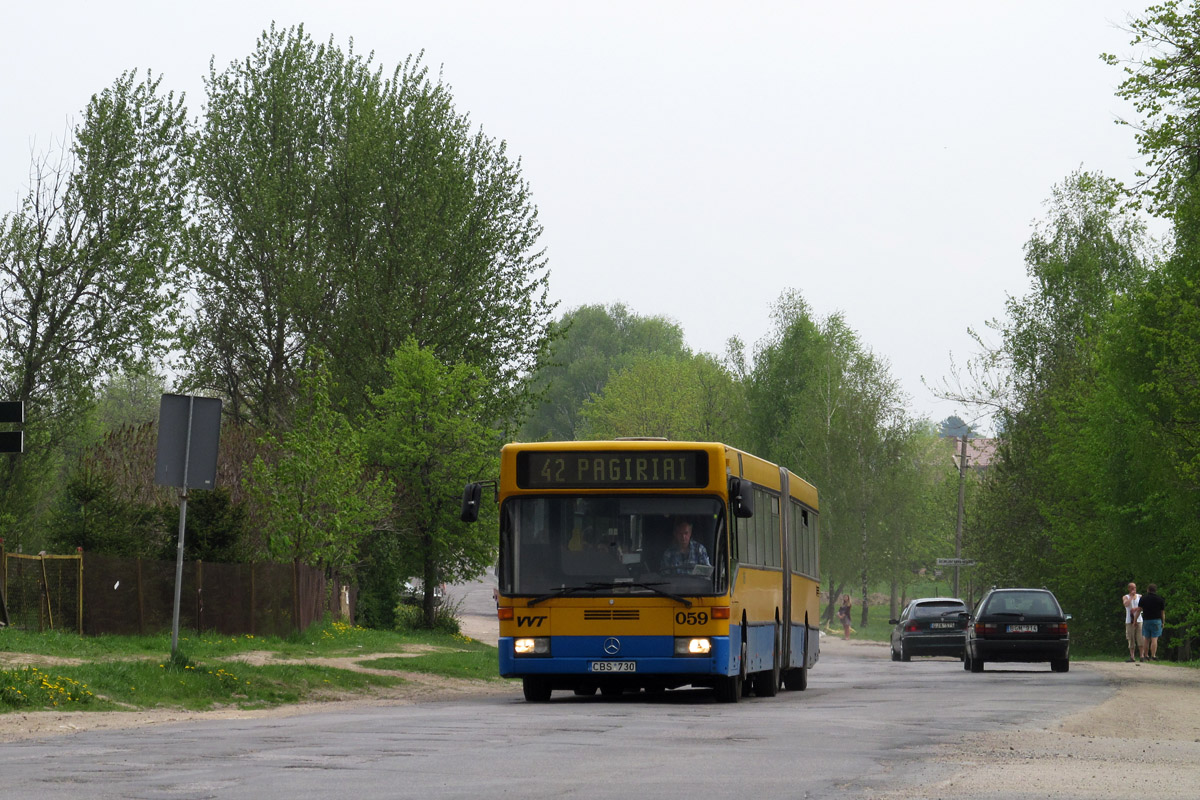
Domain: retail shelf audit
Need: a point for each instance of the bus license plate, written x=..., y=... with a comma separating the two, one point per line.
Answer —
x=614, y=666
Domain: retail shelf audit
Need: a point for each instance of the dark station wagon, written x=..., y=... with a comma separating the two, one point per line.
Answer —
x=930, y=626
x=1018, y=625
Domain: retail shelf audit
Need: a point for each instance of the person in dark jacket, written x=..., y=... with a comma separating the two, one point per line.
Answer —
x=1152, y=606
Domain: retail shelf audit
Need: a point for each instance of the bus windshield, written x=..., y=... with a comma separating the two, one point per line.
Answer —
x=612, y=545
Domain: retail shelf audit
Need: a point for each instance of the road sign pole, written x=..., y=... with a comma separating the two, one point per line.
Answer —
x=183, y=496
x=190, y=426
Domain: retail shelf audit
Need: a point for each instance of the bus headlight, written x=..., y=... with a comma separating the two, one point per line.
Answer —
x=532, y=646
x=692, y=646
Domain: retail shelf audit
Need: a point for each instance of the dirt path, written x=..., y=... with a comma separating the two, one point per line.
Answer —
x=1144, y=741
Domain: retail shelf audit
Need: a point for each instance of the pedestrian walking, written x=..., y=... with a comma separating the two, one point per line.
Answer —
x=844, y=616
x=1152, y=606
x=1133, y=622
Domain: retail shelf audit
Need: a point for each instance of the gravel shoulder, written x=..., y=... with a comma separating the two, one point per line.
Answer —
x=1143, y=741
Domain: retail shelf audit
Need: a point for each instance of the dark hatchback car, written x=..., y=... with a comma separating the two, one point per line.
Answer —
x=1014, y=625
x=930, y=626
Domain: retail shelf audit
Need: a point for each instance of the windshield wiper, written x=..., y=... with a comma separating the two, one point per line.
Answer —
x=591, y=587
x=652, y=587
x=565, y=590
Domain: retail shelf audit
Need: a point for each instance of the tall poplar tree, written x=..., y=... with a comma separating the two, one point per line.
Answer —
x=343, y=209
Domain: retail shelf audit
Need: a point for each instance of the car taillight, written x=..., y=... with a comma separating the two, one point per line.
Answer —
x=984, y=627
x=912, y=626
x=1058, y=628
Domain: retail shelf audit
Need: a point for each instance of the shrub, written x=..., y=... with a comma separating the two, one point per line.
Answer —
x=412, y=618
x=408, y=618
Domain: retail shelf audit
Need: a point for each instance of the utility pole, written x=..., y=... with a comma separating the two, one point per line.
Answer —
x=962, y=492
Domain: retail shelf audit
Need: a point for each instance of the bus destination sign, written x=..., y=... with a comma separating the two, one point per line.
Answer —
x=612, y=469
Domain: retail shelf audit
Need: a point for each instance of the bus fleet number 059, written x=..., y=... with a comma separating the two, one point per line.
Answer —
x=691, y=618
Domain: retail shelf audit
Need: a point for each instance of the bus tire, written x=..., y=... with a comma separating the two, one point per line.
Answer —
x=536, y=690
x=728, y=688
x=731, y=687
x=796, y=679
x=747, y=680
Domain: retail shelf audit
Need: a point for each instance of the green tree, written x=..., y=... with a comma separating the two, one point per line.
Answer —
x=1055, y=509
x=917, y=496
x=342, y=210
x=657, y=395
x=591, y=344
x=1150, y=364
x=431, y=432
x=1163, y=83
x=314, y=497
x=823, y=405
x=90, y=515
x=88, y=279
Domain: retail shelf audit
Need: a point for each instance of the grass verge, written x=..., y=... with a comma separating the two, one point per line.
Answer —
x=106, y=673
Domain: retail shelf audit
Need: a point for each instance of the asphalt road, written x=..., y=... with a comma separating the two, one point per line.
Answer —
x=863, y=726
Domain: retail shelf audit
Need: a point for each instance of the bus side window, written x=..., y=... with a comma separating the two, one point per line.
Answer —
x=737, y=545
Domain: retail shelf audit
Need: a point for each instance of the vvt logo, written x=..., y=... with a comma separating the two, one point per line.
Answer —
x=530, y=622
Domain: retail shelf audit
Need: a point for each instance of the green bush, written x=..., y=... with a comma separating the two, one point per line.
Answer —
x=445, y=619
x=411, y=618
x=408, y=617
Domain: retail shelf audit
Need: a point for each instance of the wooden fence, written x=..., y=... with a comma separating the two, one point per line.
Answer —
x=95, y=594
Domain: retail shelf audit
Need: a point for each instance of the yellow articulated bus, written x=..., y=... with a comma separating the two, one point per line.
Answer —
x=651, y=564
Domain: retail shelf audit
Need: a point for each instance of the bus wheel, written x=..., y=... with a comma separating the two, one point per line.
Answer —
x=536, y=690
x=747, y=682
x=796, y=679
x=729, y=688
x=766, y=684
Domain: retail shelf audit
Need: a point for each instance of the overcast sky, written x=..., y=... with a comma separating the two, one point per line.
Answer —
x=697, y=159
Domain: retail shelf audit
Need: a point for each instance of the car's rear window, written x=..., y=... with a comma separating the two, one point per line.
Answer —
x=1021, y=602
x=936, y=609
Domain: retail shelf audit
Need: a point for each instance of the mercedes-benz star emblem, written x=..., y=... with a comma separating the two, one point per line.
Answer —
x=612, y=645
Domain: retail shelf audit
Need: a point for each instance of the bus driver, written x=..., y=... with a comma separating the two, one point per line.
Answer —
x=684, y=554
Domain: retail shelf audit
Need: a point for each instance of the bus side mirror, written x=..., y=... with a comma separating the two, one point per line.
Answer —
x=472, y=494
x=741, y=497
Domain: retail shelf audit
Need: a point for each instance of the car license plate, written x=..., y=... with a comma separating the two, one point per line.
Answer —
x=614, y=666
x=1022, y=628
x=941, y=624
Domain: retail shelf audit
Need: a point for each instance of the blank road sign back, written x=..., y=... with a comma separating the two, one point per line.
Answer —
x=188, y=462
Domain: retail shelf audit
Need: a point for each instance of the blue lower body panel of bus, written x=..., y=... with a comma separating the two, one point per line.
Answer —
x=650, y=655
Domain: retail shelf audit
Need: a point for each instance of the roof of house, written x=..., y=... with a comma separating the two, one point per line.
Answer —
x=980, y=451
